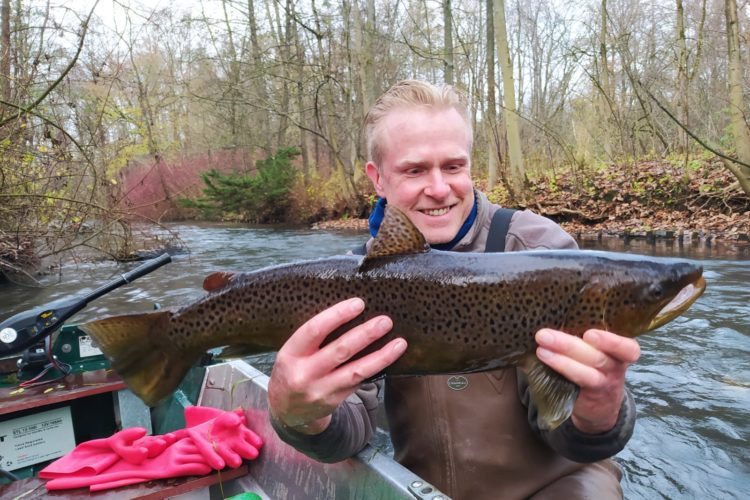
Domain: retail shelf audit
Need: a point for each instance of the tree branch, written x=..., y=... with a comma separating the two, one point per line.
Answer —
x=688, y=131
x=27, y=109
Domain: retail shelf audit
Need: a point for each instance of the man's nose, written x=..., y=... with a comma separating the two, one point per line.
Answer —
x=437, y=187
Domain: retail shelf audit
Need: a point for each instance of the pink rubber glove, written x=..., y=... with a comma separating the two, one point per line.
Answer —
x=153, y=445
x=223, y=440
x=98, y=455
x=182, y=458
x=196, y=415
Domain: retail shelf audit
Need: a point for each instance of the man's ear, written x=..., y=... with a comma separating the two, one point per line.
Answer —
x=374, y=174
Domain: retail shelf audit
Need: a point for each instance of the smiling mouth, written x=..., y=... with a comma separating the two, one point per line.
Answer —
x=436, y=212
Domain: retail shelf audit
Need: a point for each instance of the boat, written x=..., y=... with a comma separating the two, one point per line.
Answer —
x=90, y=401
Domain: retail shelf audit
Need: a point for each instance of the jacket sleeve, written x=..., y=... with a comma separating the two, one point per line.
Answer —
x=352, y=425
x=578, y=446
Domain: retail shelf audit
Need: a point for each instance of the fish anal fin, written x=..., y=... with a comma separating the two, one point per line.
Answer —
x=397, y=236
x=237, y=351
x=553, y=394
x=217, y=281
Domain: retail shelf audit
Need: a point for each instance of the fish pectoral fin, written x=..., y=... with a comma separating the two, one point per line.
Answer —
x=589, y=310
x=217, y=281
x=553, y=394
x=397, y=236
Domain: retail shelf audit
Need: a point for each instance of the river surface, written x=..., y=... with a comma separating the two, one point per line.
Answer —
x=691, y=385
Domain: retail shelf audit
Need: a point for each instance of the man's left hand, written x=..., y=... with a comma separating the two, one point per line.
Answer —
x=597, y=364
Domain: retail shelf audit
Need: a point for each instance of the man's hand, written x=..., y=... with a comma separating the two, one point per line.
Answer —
x=597, y=364
x=308, y=382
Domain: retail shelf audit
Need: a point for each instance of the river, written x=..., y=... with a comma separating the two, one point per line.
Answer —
x=691, y=385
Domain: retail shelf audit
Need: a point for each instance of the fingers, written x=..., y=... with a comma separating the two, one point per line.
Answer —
x=252, y=438
x=228, y=454
x=308, y=337
x=590, y=361
x=597, y=364
x=227, y=419
x=620, y=348
x=342, y=349
x=555, y=347
x=354, y=373
x=308, y=382
x=578, y=373
x=207, y=450
x=129, y=435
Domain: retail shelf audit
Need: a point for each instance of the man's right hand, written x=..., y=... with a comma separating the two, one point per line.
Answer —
x=308, y=382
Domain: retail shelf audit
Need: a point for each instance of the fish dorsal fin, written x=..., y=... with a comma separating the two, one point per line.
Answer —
x=397, y=236
x=217, y=281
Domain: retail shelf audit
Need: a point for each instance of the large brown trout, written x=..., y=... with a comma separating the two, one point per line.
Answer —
x=459, y=312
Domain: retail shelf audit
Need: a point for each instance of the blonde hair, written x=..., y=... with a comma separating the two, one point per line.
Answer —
x=411, y=93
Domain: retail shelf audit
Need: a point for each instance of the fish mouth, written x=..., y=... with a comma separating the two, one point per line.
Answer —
x=679, y=304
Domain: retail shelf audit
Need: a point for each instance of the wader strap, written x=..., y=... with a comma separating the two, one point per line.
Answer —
x=499, y=230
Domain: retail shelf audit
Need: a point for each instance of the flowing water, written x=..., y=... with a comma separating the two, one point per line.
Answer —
x=691, y=385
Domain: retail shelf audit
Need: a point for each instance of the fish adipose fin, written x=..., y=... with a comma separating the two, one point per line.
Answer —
x=397, y=236
x=553, y=394
x=217, y=281
x=140, y=350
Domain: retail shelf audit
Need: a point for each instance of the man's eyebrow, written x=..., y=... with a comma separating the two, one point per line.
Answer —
x=457, y=159
x=410, y=163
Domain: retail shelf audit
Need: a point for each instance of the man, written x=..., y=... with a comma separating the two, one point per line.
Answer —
x=477, y=436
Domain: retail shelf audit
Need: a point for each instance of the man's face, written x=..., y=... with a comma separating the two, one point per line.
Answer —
x=425, y=169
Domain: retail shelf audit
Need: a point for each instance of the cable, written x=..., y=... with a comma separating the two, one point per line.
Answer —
x=9, y=475
x=63, y=368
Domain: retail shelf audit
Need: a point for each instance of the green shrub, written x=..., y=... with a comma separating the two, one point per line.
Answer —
x=260, y=198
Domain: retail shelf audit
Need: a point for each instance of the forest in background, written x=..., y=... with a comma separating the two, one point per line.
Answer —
x=110, y=110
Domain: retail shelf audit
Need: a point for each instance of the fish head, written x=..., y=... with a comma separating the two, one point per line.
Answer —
x=649, y=293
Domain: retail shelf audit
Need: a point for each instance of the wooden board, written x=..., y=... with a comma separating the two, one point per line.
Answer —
x=76, y=385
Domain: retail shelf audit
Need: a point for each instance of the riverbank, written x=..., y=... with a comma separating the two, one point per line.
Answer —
x=655, y=200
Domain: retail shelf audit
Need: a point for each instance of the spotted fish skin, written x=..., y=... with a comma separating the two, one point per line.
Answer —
x=459, y=312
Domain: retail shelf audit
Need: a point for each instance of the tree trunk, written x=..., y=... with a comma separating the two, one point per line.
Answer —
x=447, y=42
x=285, y=56
x=371, y=83
x=5, y=75
x=491, y=113
x=509, y=103
x=259, y=79
x=738, y=107
x=604, y=109
x=682, y=79
x=300, y=102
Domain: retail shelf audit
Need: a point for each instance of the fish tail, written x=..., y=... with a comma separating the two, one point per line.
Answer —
x=139, y=349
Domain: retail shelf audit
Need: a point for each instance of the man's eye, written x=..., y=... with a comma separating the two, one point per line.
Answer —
x=414, y=171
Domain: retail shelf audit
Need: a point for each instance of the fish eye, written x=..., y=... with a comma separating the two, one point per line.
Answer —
x=656, y=291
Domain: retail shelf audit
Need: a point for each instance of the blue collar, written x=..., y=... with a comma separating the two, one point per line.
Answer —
x=376, y=218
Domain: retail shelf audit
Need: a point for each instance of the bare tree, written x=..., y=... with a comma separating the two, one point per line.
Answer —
x=515, y=155
x=738, y=106
x=491, y=111
x=448, y=63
